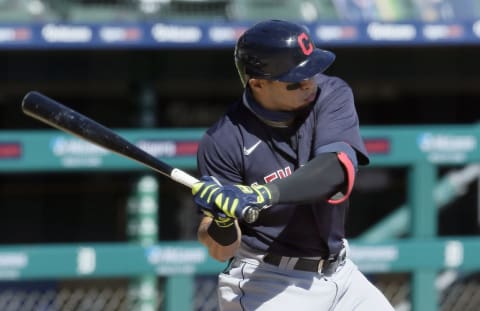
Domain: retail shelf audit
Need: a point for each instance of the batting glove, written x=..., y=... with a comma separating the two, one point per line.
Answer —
x=220, y=221
x=231, y=200
x=204, y=196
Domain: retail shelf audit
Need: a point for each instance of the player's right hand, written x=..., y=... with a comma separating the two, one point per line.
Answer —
x=220, y=221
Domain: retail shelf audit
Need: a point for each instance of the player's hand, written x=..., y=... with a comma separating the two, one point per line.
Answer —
x=204, y=196
x=231, y=200
x=234, y=199
x=220, y=221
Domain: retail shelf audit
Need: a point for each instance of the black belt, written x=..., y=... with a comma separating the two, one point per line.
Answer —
x=324, y=266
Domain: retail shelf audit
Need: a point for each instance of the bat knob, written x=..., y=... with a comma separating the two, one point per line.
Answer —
x=250, y=214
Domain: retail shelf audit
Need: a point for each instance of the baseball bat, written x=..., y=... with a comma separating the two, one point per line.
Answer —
x=53, y=113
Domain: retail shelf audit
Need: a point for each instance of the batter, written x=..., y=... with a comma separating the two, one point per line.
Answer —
x=290, y=146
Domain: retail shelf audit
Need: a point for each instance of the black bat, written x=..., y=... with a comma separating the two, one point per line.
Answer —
x=53, y=113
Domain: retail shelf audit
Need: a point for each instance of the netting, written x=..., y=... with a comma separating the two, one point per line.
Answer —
x=112, y=295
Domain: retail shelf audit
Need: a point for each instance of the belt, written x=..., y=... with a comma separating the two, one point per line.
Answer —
x=323, y=266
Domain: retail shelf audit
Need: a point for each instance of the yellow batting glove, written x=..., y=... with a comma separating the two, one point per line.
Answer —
x=233, y=199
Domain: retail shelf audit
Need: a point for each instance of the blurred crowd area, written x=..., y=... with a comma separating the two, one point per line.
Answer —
x=239, y=10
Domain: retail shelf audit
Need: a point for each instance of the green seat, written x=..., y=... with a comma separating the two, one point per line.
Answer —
x=9, y=16
x=326, y=10
x=18, y=11
x=101, y=13
x=293, y=10
x=194, y=10
x=264, y=9
x=76, y=11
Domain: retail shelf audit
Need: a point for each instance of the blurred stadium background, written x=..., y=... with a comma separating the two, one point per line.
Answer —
x=84, y=230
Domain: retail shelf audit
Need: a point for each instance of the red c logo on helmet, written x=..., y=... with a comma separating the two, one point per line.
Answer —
x=302, y=40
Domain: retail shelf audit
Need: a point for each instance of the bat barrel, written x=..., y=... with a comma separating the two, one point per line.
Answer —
x=68, y=120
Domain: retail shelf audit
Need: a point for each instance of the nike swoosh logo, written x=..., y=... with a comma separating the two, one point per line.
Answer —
x=248, y=151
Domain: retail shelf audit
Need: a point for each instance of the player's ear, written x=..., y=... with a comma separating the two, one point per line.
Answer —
x=256, y=83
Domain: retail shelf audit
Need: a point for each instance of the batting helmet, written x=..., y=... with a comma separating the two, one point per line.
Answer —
x=279, y=50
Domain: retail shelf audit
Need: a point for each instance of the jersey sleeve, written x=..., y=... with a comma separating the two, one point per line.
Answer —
x=214, y=160
x=337, y=124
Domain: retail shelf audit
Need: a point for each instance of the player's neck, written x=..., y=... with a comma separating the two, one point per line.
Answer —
x=271, y=117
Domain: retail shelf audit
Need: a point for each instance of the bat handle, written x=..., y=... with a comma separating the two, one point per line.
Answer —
x=183, y=177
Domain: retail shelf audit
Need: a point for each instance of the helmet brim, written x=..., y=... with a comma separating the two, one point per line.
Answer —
x=316, y=63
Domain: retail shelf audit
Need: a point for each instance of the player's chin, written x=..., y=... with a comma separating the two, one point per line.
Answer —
x=298, y=104
x=297, y=107
x=304, y=103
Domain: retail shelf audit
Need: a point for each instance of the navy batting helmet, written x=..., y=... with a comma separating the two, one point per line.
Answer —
x=279, y=50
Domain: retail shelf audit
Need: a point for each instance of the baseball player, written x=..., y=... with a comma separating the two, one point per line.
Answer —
x=291, y=147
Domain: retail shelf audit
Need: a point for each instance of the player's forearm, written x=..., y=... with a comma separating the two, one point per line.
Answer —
x=222, y=250
x=319, y=179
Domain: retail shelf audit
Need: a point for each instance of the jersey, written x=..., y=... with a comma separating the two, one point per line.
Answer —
x=251, y=146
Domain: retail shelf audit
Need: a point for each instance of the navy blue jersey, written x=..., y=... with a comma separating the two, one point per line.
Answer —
x=241, y=148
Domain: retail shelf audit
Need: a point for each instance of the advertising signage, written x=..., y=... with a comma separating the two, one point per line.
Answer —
x=141, y=35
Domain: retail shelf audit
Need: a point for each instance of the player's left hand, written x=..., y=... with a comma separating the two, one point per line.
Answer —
x=230, y=199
